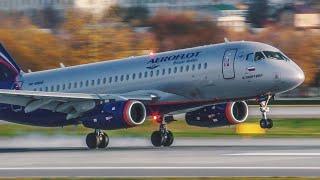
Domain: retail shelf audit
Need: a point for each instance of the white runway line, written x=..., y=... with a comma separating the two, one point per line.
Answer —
x=274, y=154
x=159, y=168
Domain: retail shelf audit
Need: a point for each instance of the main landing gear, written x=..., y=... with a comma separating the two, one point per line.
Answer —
x=265, y=123
x=163, y=137
x=97, y=139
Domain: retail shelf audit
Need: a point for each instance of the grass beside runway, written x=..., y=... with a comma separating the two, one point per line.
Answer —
x=282, y=128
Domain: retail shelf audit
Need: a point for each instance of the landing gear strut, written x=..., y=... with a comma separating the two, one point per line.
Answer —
x=97, y=139
x=265, y=123
x=163, y=137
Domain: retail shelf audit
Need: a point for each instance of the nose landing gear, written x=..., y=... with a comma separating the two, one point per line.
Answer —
x=163, y=137
x=97, y=139
x=265, y=123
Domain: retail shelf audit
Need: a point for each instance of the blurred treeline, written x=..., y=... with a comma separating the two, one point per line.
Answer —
x=83, y=38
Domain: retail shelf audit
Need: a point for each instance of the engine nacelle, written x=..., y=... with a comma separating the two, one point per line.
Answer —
x=219, y=115
x=116, y=115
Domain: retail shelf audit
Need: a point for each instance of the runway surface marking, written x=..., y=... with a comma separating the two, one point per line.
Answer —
x=162, y=167
x=274, y=154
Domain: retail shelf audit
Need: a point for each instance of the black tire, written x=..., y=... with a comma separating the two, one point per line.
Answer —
x=169, y=139
x=103, y=141
x=269, y=123
x=263, y=123
x=92, y=141
x=156, y=139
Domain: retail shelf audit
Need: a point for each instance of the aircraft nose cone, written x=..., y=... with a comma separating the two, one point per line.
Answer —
x=295, y=77
x=300, y=77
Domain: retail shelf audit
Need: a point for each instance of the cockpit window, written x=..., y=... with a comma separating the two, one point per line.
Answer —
x=284, y=56
x=274, y=55
x=258, y=56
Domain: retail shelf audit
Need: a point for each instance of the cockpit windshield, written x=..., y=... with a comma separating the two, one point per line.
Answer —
x=275, y=55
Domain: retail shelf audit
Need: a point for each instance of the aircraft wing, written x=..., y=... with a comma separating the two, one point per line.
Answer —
x=72, y=104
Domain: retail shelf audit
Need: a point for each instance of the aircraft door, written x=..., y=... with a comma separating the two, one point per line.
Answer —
x=228, y=64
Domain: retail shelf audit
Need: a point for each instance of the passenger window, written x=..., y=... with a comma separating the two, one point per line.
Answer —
x=75, y=85
x=87, y=83
x=258, y=56
x=46, y=89
x=163, y=71
x=116, y=79
x=92, y=82
x=52, y=88
x=99, y=81
x=199, y=66
x=40, y=89
x=110, y=79
x=104, y=80
x=158, y=72
x=127, y=77
x=121, y=78
x=151, y=73
x=69, y=86
x=193, y=67
x=140, y=75
x=181, y=69
x=175, y=70
x=205, y=65
x=146, y=74
x=169, y=71
x=58, y=88
x=63, y=87
x=81, y=84
x=187, y=68
x=133, y=76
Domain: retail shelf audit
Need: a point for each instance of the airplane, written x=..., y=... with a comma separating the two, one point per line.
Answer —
x=210, y=84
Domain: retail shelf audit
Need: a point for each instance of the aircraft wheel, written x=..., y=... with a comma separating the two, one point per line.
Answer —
x=156, y=139
x=270, y=124
x=103, y=140
x=169, y=140
x=266, y=123
x=92, y=141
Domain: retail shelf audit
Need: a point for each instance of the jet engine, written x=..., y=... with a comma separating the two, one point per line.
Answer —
x=218, y=115
x=116, y=115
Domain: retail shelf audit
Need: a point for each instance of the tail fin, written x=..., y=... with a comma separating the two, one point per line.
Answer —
x=7, y=58
x=9, y=70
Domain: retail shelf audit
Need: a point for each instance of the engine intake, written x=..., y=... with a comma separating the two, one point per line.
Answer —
x=134, y=113
x=116, y=115
x=219, y=115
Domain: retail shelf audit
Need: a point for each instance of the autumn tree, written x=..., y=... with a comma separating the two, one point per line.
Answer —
x=183, y=30
x=136, y=15
x=92, y=41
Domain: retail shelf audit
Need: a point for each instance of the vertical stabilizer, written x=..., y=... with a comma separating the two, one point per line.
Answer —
x=9, y=70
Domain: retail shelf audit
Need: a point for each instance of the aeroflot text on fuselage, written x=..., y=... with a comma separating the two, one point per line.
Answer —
x=174, y=57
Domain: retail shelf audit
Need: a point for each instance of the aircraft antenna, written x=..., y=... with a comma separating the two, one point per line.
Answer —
x=226, y=40
x=62, y=65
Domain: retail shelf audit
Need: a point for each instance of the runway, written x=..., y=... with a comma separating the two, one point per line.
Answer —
x=288, y=111
x=66, y=156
